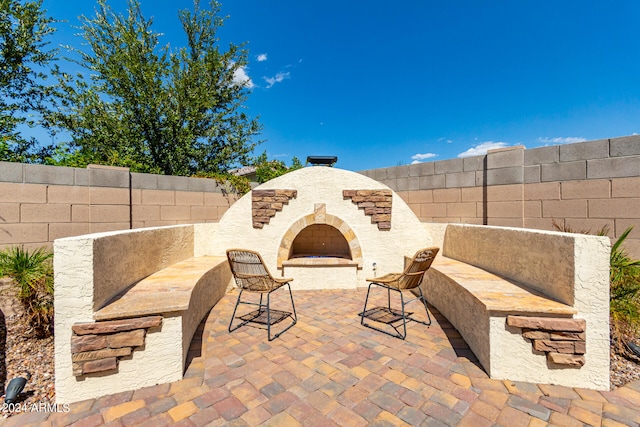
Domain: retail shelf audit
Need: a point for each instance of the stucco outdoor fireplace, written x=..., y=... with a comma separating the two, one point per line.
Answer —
x=325, y=227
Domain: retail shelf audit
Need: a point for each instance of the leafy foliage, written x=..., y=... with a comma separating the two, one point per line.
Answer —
x=625, y=294
x=230, y=183
x=23, y=60
x=152, y=108
x=268, y=169
x=566, y=228
x=32, y=274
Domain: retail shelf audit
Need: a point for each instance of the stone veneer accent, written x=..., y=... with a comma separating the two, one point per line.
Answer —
x=563, y=340
x=97, y=347
x=376, y=203
x=265, y=204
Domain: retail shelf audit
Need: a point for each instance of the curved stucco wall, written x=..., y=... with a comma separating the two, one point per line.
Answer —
x=572, y=268
x=88, y=271
x=122, y=258
x=322, y=185
x=542, y=260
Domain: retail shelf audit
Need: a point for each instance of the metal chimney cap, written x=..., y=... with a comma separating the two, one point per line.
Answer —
x=322, y=160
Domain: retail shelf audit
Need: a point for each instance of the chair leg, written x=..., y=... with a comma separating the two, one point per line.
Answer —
x=362, y=322
x=294, y=317
x=403, y=335
x=235, y=309
x=404, y=315
x=422, y=299
x=365, y=305
x=233, y=316
x=293, y=306
x=424, y=303
x=261, y=305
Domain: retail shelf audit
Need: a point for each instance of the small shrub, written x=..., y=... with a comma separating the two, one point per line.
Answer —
x=624, y=295
x=32, y=274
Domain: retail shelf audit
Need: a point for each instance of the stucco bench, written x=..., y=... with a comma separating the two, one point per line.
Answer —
x=170, y=302
x=485, y=307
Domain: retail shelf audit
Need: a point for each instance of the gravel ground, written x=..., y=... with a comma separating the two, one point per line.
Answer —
x=19, y=354
x=623, y=370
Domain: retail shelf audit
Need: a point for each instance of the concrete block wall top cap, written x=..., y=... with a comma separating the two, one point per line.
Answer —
x=515, y=147
x=115, y=168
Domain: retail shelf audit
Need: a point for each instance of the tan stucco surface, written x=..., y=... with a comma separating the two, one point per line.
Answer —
x=497, y=294
x=90, y=270
x=124, y=257
x=170, y=288
x=572, y=268
x=319, y=277
x=324, y=185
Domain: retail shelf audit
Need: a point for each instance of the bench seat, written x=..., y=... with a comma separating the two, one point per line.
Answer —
x=482, y=305
x=166, y=291
x=497, y=294
x=154, y=321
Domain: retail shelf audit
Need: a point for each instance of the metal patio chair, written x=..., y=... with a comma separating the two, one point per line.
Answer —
x=251, y=275
x=406, y=281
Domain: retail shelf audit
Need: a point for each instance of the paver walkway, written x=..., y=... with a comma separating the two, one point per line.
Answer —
x=328, y=370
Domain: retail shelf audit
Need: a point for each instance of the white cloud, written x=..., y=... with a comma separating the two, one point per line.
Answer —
x=482, y=148
x=418, y=158
x=262, y=57
x=240, y=77
x=276, y=79
x=567, y=140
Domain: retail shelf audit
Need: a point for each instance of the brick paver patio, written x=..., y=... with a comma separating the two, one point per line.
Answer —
x=329, y=370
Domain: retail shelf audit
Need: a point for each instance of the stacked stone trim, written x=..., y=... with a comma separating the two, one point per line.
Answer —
x=265, y=204
x=562, y=340
x=376, y=203
x=97, y=347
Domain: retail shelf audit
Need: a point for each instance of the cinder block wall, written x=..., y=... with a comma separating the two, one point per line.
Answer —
x=583, y=186
x=39, y=204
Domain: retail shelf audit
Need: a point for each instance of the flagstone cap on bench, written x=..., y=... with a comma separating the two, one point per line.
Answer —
x=497, y=294
x=168, y=290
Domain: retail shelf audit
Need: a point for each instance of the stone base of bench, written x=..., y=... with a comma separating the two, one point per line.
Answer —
x=97, y=347
x=562, y=340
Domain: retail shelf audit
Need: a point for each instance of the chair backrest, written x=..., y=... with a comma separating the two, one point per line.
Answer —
x=249, y=271
x=412, y=275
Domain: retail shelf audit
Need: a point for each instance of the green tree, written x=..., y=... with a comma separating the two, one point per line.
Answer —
x=24, y=59
x=153, y=108
x=268, y=169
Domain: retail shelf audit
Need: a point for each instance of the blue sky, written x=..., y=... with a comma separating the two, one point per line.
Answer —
x=381, y=83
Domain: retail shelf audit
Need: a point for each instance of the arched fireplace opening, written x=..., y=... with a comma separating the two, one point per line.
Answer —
x=324, y=239
x=320, y=241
